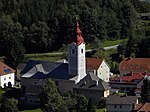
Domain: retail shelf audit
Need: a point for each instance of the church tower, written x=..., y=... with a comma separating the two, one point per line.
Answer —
x=77, y=64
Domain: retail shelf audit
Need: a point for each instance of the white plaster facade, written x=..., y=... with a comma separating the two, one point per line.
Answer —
x=103, y=72
x=77, y=64
x=5, y=79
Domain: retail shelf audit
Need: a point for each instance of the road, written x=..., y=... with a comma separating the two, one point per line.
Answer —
x=111, y=47
x=89, y=50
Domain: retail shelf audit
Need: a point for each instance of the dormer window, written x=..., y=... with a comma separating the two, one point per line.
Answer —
x=73, y=51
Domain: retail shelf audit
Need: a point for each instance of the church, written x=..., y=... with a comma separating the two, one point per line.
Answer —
x=82, y=75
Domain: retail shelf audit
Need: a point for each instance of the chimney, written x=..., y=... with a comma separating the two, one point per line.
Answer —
x=96, y=83
x=131, y=73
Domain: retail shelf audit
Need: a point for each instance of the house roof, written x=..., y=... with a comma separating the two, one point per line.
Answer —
x=45, y=69
x=113, y=99
x=132, y=77
x=91, y=81
x=143, y=107
x=93, y=63
x=135, y=65
x=4, y=69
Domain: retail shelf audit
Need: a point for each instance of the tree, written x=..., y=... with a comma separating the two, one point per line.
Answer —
x=9, y=105
x=128, y=19
x=91, y=106
x=82, y=102
x=75, y=102
x=51, y=100
x=11, y=41
x=38, y=38
x=145, y=95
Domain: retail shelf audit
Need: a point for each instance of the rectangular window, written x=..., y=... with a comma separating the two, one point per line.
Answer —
x=81, y=50
x=120, y=106
x=115, y=106
x=5, y=78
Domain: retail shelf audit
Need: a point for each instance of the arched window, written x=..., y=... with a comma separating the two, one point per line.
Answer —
x=73, y=51
x=81, y=50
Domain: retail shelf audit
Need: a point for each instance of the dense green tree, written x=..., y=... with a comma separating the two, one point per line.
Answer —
x=81, y=105
x=9, y=105
x=11, y=41
x=51, y=100
x=38, y=37
x=91, y=106
x=145, y=96
x=75, y=102
x=128, y=19
x=47, y=25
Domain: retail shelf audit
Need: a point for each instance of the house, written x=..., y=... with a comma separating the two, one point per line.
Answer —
x=142, y=107
x=92, y=87
x=121, y=103
x=67, y=76
x=129, y=83
x=136, y=65
x=99, y=67
x=145, y=16
x=7, y=75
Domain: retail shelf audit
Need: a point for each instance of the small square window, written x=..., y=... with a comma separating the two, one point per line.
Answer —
x=120, y=106
x=5, y=78
x=115, y=106
x=9, y=77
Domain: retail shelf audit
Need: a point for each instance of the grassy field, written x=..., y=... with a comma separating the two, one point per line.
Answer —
x=101, y=110
x=35, y=110
x=2, y=91
x=46, y=56
x=55, y=56
x=113, y=42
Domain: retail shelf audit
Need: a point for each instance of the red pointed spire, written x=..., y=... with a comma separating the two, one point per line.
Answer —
x=79, y=39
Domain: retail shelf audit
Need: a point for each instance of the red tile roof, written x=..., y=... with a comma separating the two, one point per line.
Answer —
x=4, y=69
x=135, y=64
x=93, y=63
x=143, y=107
x=132, y=77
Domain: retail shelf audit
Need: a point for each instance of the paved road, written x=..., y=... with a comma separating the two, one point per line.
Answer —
x=89, y=50
x=111, y=47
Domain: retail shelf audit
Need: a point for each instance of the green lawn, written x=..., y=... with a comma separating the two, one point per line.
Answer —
x=101, y=110
x=2, y=91
x=46, y=56
x=113, y=42
x=35, y=110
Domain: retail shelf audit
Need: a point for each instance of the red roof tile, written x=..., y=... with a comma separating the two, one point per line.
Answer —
x=93, y=63
x=4, y=69
x=143, y=107
x=132, y=77
x=135, y=64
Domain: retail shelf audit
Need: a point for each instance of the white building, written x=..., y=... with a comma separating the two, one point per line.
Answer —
x=7, y=75
x=121, y=103
x=99, y=67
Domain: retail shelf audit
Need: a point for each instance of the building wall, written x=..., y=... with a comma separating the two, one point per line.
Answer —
x=106, y=93
x=139, y=85
x=103, y=72
x=94, y=94
x=63, y=85
x=119, y=107
x=77, y=64
x=4, y=79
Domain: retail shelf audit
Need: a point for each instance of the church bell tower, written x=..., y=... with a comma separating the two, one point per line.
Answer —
x=77, y=64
